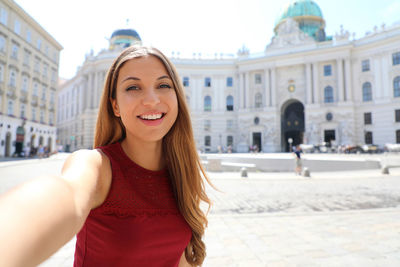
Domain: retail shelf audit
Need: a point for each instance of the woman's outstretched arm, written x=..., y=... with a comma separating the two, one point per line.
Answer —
x=39, y=217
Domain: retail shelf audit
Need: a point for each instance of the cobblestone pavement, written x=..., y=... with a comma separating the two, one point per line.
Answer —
x=279, y=219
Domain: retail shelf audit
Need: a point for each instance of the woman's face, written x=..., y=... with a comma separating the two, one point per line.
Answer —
x=145, y=99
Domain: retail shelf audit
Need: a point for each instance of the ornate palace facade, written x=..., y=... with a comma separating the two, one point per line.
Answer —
x=305, y=87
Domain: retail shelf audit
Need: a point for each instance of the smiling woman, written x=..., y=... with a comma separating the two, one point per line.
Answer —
x=132, y=201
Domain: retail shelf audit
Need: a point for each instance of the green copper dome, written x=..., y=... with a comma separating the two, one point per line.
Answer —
x=309, y=16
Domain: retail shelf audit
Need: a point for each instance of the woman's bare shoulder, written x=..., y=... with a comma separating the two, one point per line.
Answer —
x=89, y=169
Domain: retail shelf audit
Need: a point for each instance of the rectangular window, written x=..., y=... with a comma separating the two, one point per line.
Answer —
x=3, y=16
x=51, y=119
x=52, y=97
x=22, y=110
x=41, y=116
x=44, y=93
x=229, y=81
x=34, y=114
x=229, y=141
x=397, y=115
x=35, y=89
x=2, y=43
x=207, y=82
x=229, y=125
x=45, y=67
x=12, y=78
x=1, y=73
x=36, y=66
x=186, y=81
x=207, y=140
x=27, y=57
x=17, y=27
x=14, y=51
x=398, y=136
x=396, y=58
x=207, y=125
x=24, y=84
x=53, y=75
x=10, y=108
x=327, y=70
x=368, y=138
x=38, y=44
x=367, y=118
x=365, y=65
x=257, y=78
x=28, y=36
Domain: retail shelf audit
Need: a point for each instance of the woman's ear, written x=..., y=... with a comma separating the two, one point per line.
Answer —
x=115, y=107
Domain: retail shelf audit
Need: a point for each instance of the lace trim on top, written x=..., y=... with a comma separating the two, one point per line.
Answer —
x=136, y=191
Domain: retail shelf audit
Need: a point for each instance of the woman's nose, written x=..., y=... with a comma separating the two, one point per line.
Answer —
x=150, y=97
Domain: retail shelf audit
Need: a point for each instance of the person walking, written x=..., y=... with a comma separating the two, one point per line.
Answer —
x=298, y=161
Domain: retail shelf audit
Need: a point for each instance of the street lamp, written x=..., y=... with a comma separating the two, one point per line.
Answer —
x=290, y=141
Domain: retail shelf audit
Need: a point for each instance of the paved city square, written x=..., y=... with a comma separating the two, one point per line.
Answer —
x=347, y=218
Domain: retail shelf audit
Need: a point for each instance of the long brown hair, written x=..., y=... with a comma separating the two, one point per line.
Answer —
x=179, y=148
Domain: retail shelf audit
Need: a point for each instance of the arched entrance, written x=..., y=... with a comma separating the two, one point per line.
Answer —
x=49, y=146
x=292, y=124
x=7, y=151
x=19, y=144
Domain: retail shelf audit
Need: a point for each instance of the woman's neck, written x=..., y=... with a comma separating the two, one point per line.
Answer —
x=146, y=154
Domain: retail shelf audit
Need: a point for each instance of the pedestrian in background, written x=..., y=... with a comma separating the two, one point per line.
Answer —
x=298, y=162
x=132, y=201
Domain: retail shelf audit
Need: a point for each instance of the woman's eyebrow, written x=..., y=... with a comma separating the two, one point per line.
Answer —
x=131, y=78
x=164, y=77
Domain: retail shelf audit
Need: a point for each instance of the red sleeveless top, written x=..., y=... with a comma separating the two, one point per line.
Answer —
x=138, y=224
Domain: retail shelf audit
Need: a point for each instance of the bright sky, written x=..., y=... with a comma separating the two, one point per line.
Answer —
x=189, y=26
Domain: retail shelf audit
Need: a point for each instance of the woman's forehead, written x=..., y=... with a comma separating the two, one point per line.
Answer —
x=145, y=65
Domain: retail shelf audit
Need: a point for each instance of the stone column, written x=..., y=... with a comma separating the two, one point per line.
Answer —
x=348, y=82
x=308, y=84
x=386, y=83
x=315, y=83
x=96, y=90
x=267, y=88
x=273, y=87
x=247, y=95
x=222, y=98
x=339, y=64
x=200, y=97
x=192, y=104
x=376, y=94
x=241, y=90
x=87, y=90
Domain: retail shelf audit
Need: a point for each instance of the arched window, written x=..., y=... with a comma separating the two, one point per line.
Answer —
x=229, y=103
x=328, y=94
x=396, y=86
x=258, y=100
x=207, y=103
x=367, y=92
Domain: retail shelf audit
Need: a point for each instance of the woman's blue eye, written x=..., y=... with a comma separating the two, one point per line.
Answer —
x=132, y=88
x=165, y=86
